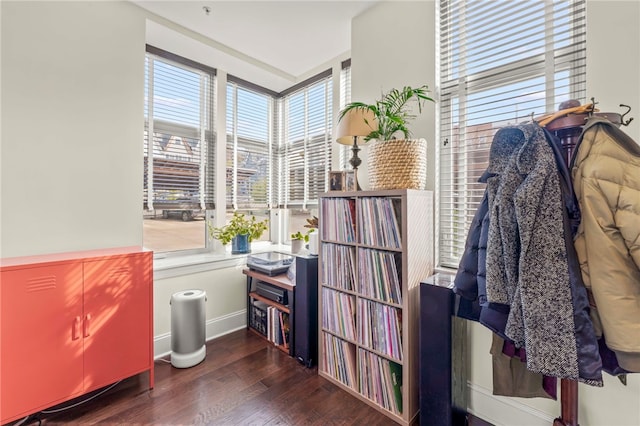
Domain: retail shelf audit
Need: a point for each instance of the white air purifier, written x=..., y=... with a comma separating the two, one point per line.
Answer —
x=188, y=319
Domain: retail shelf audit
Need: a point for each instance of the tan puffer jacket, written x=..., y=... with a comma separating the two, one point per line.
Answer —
x=606, y=178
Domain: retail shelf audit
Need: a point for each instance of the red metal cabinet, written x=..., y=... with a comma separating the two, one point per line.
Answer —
x=72, y=325
x=41, y=344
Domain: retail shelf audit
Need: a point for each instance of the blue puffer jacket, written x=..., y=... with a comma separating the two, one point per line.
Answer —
x=470, y=280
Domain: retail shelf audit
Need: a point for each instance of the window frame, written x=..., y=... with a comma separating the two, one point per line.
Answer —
x=285, y=144
x=206, y=136
x=234, y=141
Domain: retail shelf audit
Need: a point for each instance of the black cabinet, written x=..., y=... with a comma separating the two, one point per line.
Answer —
x=443, y=375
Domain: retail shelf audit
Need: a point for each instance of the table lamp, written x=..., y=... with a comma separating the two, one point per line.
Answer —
x=352, y=129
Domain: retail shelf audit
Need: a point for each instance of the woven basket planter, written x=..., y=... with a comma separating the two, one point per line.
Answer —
x=398, y=164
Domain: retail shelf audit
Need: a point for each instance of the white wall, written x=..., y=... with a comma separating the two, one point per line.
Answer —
x=613, y=57
x=225, y=307
x=72, y=161
x=72, y=114
x=393, y=44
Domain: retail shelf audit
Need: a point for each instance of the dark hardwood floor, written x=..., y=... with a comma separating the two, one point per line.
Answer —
x=243, y=381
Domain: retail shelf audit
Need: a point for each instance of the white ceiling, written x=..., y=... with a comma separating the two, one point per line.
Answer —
x=292, y=37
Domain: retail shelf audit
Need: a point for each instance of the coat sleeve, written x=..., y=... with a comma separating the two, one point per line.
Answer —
x=466, y=281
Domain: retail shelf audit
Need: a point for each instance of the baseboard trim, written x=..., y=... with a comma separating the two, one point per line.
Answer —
x=214, y=327
x=500, y=410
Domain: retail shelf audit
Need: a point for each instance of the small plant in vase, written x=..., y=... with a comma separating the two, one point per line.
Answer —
x=298, y=240
x=299, y=236
x=312, y=235
x=240, y=231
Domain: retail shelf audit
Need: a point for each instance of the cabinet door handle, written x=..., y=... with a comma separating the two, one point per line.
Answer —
x=87, y=324
x=75, y=332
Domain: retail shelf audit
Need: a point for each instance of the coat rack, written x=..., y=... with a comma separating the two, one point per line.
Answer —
x=567, y=126
x=443, y=376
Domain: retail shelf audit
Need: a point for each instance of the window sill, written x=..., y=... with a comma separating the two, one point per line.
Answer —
x=176, y=265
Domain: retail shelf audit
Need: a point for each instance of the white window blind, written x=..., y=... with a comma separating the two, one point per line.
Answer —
x=178, y=159
x=500, y=62
x=345, y=98
x=249, y=140
x=306, y=147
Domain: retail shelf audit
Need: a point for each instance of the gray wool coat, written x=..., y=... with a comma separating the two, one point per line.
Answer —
x=526, y=262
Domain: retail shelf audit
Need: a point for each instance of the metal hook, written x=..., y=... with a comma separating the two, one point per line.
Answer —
x=593, y=107
x=622, y=121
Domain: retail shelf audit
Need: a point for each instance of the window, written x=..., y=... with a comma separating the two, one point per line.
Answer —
x=278, y=150
x=501, y=62
x=249, y=140
x=178, y=159
x=305, y=150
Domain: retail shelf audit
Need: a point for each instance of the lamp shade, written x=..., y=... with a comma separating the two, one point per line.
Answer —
x=358, y=123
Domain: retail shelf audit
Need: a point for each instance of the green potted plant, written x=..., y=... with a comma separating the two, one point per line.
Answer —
x=240, y=231
x=395, y=163
x=312, y=234
x=297, y=241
